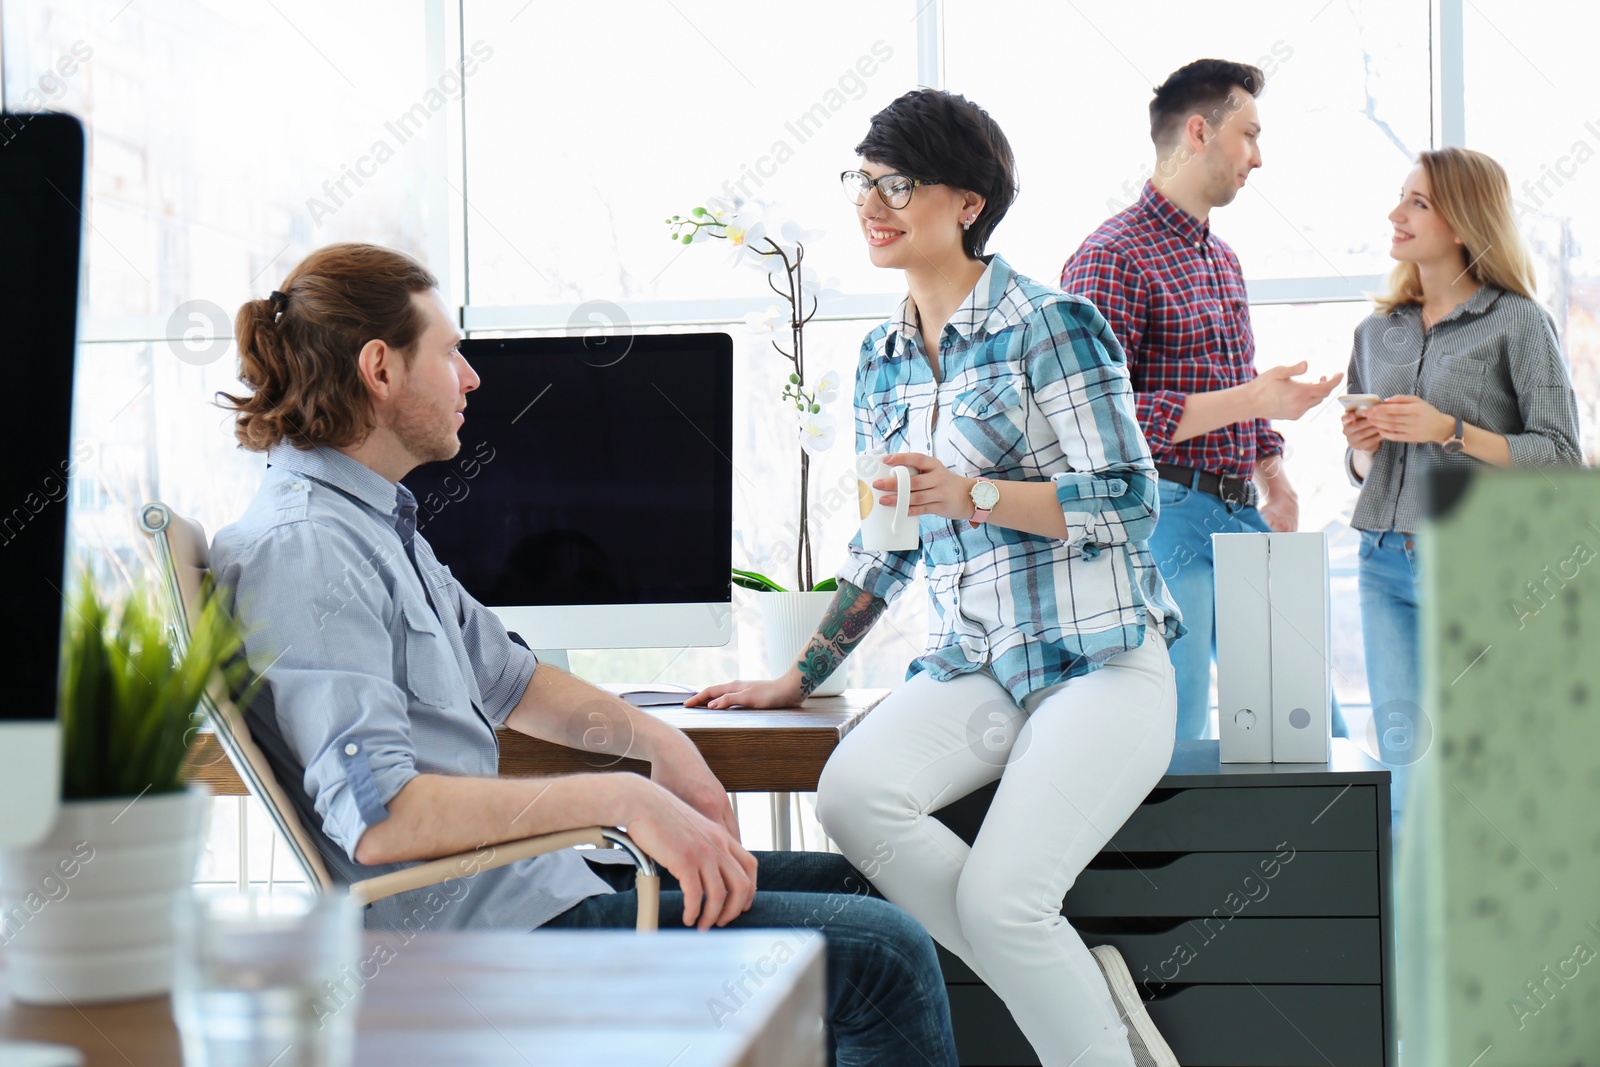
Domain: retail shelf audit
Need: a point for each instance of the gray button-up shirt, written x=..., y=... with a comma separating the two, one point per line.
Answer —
x=1494, y=361
x=366, y=686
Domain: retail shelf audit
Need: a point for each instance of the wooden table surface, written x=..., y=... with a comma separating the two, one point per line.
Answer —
x=779, y=751
x=552, y=998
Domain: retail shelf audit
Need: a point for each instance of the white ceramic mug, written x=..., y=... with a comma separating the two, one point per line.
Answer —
x=885, y=529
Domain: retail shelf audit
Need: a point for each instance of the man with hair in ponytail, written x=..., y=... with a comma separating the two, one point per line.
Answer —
x=383, y=680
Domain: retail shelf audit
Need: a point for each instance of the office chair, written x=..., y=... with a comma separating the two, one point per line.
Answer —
x=182, y=554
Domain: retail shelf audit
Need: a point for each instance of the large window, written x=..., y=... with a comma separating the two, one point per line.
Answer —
x=1345, y=107
x=575, y=154
x=225, y=141
x=532, y=151
x=1531, y=102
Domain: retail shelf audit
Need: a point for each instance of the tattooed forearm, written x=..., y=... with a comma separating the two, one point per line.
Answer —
x=843, y=625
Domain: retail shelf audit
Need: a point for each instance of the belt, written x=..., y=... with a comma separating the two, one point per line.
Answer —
x=1391, y=536
x=1231, y=490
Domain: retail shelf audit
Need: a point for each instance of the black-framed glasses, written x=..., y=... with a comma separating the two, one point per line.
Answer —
x=895, y=189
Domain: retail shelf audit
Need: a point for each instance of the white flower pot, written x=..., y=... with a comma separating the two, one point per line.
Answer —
x=87, y=912
x=791, y=619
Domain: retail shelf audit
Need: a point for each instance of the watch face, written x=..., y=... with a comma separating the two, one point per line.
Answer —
x=1454, y=446
x=985, y=495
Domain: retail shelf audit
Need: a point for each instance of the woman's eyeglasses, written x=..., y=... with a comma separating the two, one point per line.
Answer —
x=895, y=189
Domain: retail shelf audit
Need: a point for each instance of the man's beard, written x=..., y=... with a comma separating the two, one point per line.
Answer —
x=1224, y=188
x=418, y=428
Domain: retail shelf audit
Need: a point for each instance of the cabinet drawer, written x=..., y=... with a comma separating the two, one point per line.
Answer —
x=1161, y=953
x=1263, y=951
x=1210, y=1026
x=1225, y=885
x=1273, y=1026
x=1313, y=818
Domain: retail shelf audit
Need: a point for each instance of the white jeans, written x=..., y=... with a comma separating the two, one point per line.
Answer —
x=1073, y=763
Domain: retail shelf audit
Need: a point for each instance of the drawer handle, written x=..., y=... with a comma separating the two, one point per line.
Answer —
x=1167, y=991
x=1131, y=925
x=1134, y=861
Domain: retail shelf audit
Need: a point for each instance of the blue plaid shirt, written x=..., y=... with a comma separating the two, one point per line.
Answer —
x=1034, y=387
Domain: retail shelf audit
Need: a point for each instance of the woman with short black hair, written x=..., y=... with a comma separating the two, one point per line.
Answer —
x=1047, y=667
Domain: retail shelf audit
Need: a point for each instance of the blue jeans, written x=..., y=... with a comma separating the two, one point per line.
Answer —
x=1181, y=546
x=886, y=998
x=1388, y=578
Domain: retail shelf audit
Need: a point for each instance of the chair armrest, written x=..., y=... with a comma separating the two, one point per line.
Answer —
x=465, y=864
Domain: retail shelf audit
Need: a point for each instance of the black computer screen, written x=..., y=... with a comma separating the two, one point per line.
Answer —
x=41, y=193
x=589, y=473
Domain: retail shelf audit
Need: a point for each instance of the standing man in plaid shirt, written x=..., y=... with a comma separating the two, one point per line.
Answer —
x=1175, y=297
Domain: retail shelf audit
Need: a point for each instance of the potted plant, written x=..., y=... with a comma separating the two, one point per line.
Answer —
x=790, y=617
x=87, y=912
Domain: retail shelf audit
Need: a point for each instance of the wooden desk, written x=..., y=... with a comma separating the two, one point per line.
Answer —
x=554, y=998
x=781, y=751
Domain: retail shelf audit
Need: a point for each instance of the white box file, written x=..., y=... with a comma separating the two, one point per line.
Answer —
x=1274, y=682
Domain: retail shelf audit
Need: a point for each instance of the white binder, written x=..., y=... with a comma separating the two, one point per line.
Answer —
x=1274, y=681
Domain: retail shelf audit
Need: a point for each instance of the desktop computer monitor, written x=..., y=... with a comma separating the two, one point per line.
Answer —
x=591, y=505
x=41, y=195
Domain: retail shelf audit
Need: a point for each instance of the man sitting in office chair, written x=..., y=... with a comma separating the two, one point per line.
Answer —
x=383, y=679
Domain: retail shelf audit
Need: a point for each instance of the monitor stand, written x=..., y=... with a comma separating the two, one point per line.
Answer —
x=556, y=657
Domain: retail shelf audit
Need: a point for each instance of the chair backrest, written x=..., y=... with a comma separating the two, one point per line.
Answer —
x=182, y=554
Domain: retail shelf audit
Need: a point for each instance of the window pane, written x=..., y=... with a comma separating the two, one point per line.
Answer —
x=1345, y=108
x=576, y=153
x=1546, y=133
x=145, y=428
x=227, y=140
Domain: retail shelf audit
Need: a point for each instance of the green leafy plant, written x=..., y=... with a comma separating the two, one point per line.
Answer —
x=129, y=703
x=762, y=584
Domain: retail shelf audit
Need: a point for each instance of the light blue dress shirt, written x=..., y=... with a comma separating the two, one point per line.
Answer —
x=366, y=685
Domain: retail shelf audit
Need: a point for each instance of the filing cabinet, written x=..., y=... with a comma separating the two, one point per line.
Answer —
x=1252, y=905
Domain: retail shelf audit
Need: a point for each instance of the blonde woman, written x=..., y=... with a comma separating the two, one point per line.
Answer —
x=1471, y=373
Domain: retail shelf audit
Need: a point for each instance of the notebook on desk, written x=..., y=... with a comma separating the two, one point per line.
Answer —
x=1498, y=920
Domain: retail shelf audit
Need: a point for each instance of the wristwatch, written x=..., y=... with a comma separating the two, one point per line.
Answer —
x=1455, y=444
x=985, y=495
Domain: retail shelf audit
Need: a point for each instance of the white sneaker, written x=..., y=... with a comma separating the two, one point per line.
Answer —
x=1149, y=1050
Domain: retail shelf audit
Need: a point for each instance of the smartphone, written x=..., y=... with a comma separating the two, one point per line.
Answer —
x=1360, y=401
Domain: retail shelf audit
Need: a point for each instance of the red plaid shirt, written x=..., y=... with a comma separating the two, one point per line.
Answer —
x=1174, y=296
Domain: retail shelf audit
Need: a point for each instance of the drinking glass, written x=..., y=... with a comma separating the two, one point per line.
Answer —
x=267, y=980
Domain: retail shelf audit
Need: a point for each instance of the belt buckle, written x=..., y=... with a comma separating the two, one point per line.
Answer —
x=1235, y=500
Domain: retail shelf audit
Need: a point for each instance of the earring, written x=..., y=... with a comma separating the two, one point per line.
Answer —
x=966, y=223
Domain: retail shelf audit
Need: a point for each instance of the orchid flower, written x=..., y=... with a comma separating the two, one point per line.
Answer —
x=828, y=388
x=771, y=320
x=817, y=432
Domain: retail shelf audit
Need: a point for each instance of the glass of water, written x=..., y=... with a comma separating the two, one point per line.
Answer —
x=267, y=980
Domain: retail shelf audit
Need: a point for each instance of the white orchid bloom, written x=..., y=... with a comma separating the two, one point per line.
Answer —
x=748, y=238
x=828, y=388
x=771, y=264
x=795, y=234
x=817, y=432
x=810, y=283
x=771, y=320
x=744, y=232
